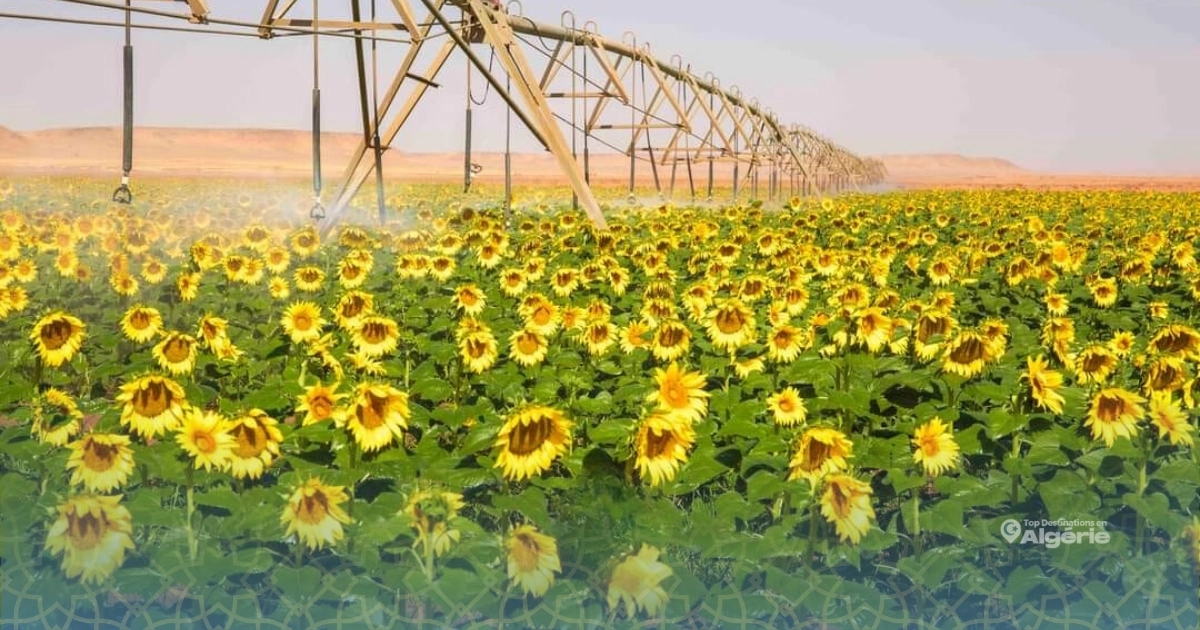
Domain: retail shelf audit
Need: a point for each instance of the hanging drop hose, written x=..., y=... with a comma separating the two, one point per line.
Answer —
x=122, y=194
x=467, y=138
x=317, y=213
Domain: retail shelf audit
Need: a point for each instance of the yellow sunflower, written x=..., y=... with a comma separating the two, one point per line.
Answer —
x=540, y=314
x=279, y=288
x=256, y=443
x=785, y=343
x=635, y=583
x=846, y=503
x=1121, y=343
x=376, y=335
x=661, y=446
x=153, y=405
x=527, y=347
x=819, y=451
x=730, y=324
x=633, y=336
x=1104, y=291
x=377, y=415
x=58, y=336
x=966, y=354
x=176, y=353
x=308, y=279
x=679, y=393
x=1170, y=419
x=1114, y=413
x=530, y=440
x=672, y=340
x=92, y=533
x=319, y=403
x=470, y=299
x=100, y=462
x=599, y=336
x=352, y=307
x=302, y=322
x=934, y=448
x=1165, y=374
x=532, y=560
x=141, y=324
x=1177, y=339
x=478, y=351
x=787, y=407
x=1044, y=384
x=188, y=285
x=1094, y=364
x=56, y=417
x=205, y=437
x=314, y=514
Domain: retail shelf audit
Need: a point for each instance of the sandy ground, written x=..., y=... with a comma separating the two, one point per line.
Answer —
x=287, y=154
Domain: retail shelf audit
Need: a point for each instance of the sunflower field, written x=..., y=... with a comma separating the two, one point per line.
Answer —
x=909, y=410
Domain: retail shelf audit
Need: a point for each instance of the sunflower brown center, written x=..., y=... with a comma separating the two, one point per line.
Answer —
x=301, y=322
x=526, y=552
x=251, y=440
x=350, y=272
x=87, y=530
x=99, y=457
x=658, y=443
x=152, y=399
x=542, y=315
x=730, y=320
x=56, y=333
x=320, y=407
x=968, y=351
x=1110, y=409
x=204, y=442
x=375, y=332
x=313, y=508
x=839, y=501
x=670, y=336
x=787, y=405
x=476, y=348
x=674, y=393
x=177, y=350
x=818, y=453
x=139, y=320
x=527, y=344
x=528, y=438
x=783, y=339
x=1095, y=362
x=373, y=412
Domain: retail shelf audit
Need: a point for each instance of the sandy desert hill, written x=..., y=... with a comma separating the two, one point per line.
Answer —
x=160, y=151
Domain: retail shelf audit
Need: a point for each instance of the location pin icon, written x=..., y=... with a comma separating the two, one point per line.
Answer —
x=1010, y=529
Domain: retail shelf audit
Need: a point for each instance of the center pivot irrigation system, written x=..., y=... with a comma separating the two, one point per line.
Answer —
x=558, y=80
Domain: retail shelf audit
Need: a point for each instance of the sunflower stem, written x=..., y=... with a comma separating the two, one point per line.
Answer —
x=810, y=557
x=190, y=478
x=1141, y=490
x=916, y=528
x=1016, y=479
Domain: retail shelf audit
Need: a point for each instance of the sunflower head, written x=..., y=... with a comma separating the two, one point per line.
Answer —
x=153, y=405
x=635, y=583
x=934, y=447
x=58, y=336
x=661, y=445
x=530, y=440
x=820, y=451
x=100, y=462
x=92, y=533
x=314, y=514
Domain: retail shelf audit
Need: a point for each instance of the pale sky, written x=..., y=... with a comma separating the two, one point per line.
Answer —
x=1063, y=85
